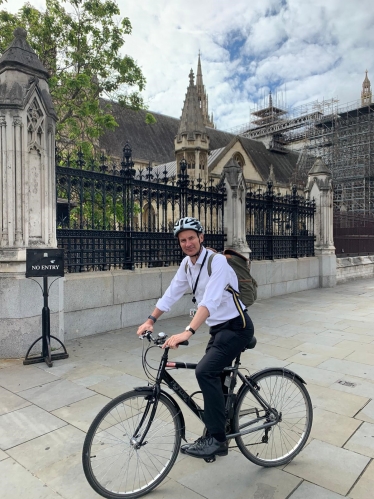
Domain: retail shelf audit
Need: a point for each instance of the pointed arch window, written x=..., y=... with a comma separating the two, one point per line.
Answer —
x=239, y=159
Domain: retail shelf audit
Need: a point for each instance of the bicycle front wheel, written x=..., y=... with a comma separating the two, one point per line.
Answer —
x=280, y=443
x=115, y=464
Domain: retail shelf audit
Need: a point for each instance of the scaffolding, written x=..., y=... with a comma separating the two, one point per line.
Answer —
x=343, y=136
x=345, y=142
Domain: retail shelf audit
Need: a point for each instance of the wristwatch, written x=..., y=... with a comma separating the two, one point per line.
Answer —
x=190, y=329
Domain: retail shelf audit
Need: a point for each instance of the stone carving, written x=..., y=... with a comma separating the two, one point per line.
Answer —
x=35, y=126
x=2, y=121
x=17, y=121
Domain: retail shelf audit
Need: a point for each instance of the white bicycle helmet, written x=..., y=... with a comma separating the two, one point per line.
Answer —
x=188, y=223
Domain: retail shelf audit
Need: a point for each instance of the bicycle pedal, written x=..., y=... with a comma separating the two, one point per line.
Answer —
x=210, y=459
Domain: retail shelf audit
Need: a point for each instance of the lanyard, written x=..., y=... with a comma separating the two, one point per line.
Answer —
x=194, y=286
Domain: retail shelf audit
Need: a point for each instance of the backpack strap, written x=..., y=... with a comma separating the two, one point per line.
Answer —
x=210, y=263
x=235, y=295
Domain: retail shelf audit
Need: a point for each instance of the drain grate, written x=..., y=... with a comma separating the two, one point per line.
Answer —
x=346, y=383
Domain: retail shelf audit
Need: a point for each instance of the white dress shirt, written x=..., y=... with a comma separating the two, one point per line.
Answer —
x=210, y=291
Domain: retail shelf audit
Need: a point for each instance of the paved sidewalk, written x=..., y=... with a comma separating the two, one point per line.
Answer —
x=325, y=335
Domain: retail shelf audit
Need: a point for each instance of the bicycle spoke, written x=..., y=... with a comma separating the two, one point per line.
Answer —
x=280, y=442
x=118, y=463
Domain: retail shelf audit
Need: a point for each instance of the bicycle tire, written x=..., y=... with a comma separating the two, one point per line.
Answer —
x=284, y=392
x=113, y=466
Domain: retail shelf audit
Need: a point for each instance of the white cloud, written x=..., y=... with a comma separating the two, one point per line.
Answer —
x=320, y=49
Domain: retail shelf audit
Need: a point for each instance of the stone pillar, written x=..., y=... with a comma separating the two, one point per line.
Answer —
x=27, y=191
x=235, y=209
x=319, y=188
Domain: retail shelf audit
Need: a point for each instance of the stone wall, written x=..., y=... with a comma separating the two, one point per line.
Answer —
x=97, y=302
x=356, y=267
x=21, y=303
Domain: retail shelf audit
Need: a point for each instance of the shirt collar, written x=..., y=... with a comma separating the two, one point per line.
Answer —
x=200, y=259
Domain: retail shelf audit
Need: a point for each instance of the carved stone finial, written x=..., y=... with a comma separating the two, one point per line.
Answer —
x=20, y=33
x=192, y=77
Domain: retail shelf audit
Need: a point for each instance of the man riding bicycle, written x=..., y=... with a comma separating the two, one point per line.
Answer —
x=231, y=328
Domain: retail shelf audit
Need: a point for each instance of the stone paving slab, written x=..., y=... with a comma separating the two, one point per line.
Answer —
x=18, y=483
x=308, y=358
x=235, y=477
x=354, y=386
x=362, y=357
x=48, y=449
x=3, y=455
x=333, y=428
x=334, y=401
x=82, y=413
x=19, y=378
x=365, y=486
x=10, y=402
x=328, y=466
x=310, y=491
x=336, y=352
x=315, y=375
x=25, y=424
x=67, y=478
x=348, y=367
x=66, y=391
x=367, y=413
x=362, y=441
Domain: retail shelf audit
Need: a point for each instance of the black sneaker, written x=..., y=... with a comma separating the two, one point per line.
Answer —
x=207, y=447
x=184, y=447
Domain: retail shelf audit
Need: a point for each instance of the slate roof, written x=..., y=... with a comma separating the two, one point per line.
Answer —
x=150, y=142
x=284, y=165
x=155, y=143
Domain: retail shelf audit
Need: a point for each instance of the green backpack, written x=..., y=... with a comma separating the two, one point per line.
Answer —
x=240, y=264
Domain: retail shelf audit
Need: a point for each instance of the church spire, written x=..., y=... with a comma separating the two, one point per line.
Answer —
x=199, y=75
x=366, y=94
x=203, y=98
x=192, y=119
x=192, y=142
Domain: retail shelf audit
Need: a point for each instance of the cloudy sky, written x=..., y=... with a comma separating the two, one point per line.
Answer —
x=301, y=50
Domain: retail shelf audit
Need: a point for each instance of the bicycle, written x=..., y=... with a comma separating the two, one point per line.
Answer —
x=135, y=439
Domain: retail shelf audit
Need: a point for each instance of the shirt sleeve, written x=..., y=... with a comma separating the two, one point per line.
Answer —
x=178, y=286
x=217, y=282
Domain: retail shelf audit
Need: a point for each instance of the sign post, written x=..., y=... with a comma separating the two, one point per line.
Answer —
x=45, y=263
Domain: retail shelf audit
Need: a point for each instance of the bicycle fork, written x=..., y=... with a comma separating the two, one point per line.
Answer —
x=152, y=402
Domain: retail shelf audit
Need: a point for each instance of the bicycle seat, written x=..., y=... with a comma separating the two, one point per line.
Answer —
x=251, y=344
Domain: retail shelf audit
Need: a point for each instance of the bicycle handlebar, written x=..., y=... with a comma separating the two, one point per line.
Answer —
x=160, y=340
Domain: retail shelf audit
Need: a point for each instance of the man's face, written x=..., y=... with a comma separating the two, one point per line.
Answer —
x=190, y=241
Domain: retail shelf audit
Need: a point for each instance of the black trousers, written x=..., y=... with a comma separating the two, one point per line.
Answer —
x=226, y=342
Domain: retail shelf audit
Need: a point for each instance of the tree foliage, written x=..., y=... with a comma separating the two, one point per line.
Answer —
x=80, y=43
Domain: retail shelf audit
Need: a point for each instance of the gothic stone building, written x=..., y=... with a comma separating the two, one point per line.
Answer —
x=195, y=138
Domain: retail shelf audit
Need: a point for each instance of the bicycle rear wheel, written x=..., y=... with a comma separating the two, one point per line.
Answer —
x=114, y=465
x=282, y=442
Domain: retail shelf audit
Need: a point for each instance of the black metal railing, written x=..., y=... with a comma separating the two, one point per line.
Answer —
x=113, y=216
x=279, y=226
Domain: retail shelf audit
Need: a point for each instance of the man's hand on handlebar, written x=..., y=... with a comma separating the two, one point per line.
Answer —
x=146, y=326
x=174, y=340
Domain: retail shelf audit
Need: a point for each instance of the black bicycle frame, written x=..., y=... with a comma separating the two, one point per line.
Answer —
x=163, y=375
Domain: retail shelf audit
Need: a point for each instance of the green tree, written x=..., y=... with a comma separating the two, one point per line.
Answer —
x=80, y=43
